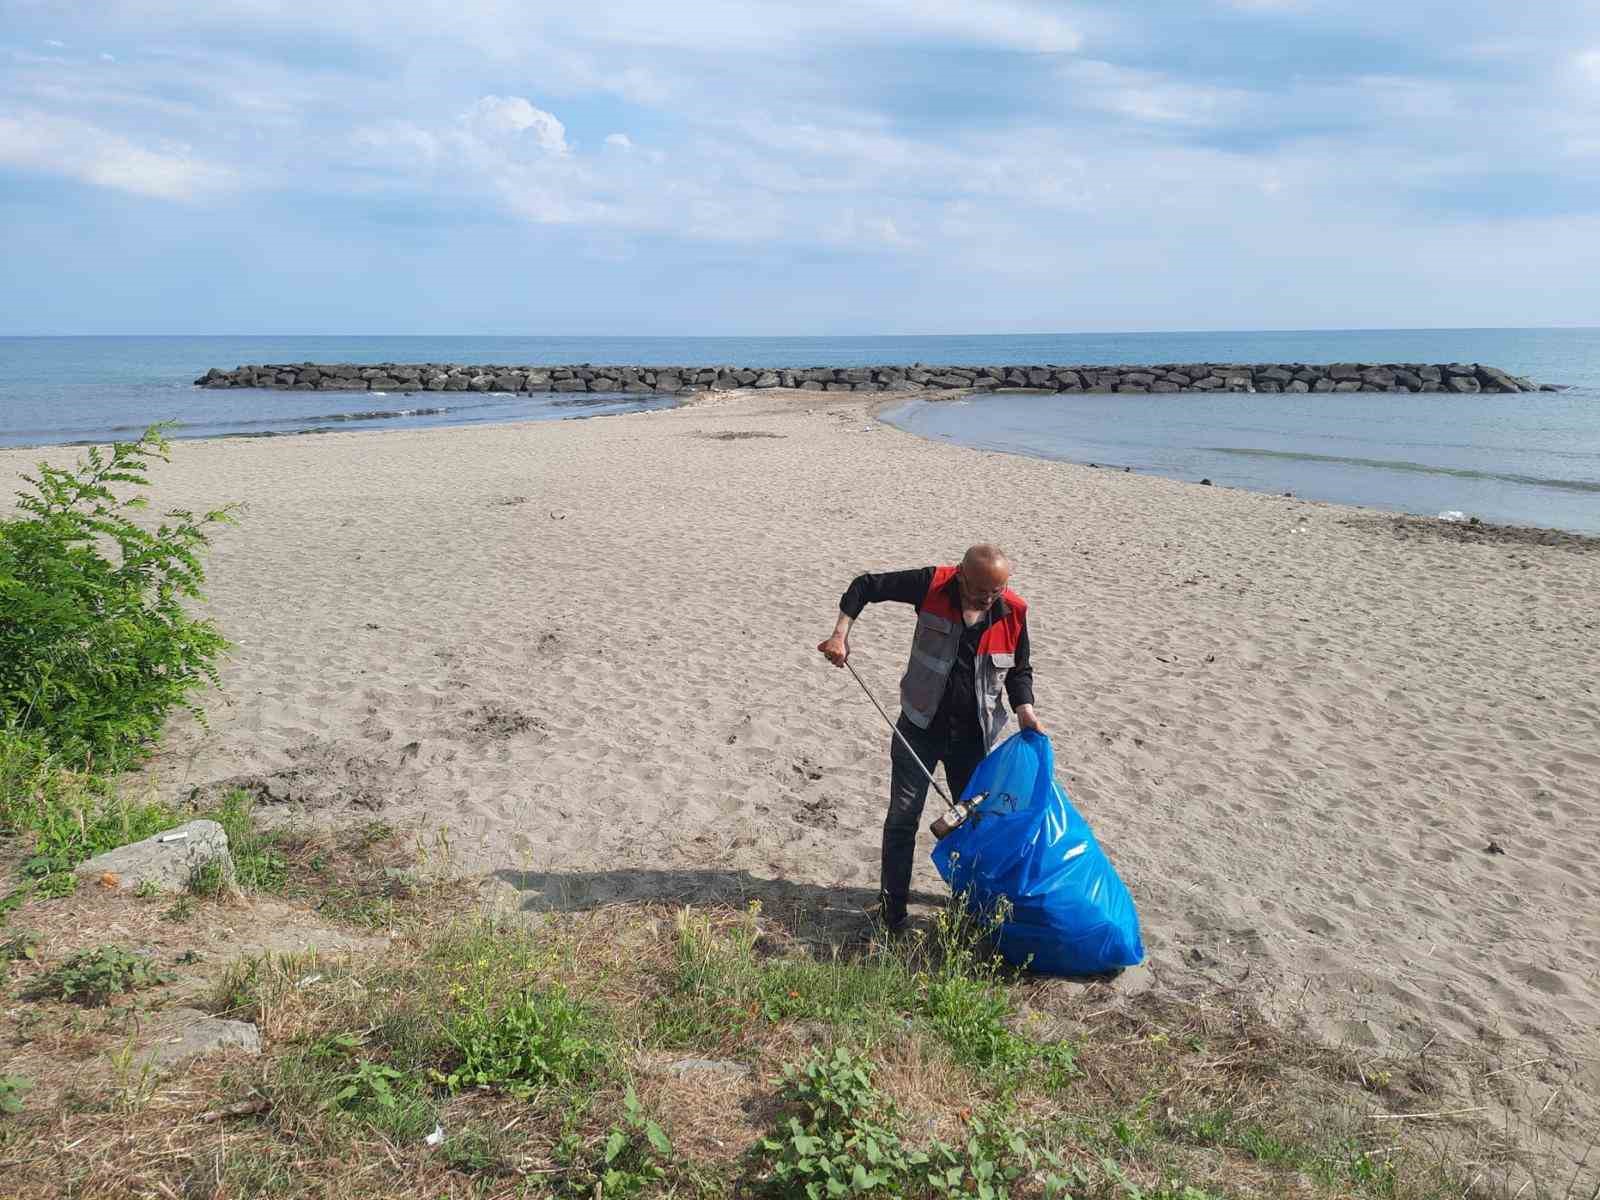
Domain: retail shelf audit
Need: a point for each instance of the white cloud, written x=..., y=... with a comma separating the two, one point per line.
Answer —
x=620, y=140
x=513, y=115
x=1589, y=64
x=56, y=44
x=82, y=151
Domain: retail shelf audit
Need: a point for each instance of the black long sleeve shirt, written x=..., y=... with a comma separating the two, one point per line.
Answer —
x=958, y=710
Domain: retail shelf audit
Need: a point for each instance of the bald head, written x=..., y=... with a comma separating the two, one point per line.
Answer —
x=984, y=573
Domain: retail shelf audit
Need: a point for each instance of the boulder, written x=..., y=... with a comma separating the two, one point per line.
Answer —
x=480, y=383
x=1380, y=377
x=1297, y=386
x=1344, y=372
x=1465, y=370
x=167, y=862
x=1495, y=380
x=1164, y=385
x=1141, y=379
x=836, y=387
x=1430, y=374
x=1275, y=375
x=767, y=379
x=708, y=1068
x=1268, y=385
x=1410, y=379
x=1323, y=385
x=180, y=1034
x=604, y=383
x=1347, y=385
x=667, y=382
x=510, y=381
x=1462, y=383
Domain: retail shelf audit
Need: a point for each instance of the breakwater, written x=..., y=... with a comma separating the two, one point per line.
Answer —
x=584, y=377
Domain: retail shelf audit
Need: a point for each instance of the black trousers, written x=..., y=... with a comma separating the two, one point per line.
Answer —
x=960, y=751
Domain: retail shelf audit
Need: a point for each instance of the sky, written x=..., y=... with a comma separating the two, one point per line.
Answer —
x=727, y=167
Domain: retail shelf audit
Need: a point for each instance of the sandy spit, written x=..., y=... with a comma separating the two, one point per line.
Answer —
x=584, y=654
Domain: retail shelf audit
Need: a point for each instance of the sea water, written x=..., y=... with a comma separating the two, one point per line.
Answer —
x=1532, y=458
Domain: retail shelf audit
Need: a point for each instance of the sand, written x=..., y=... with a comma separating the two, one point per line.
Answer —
x=582, y=654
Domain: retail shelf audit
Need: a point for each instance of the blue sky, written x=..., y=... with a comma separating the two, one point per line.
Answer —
x=723, y=167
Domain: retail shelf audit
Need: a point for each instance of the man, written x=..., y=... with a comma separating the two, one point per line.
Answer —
x=971, y=635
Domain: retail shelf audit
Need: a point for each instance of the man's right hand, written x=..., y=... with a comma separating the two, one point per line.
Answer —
x=836, y=650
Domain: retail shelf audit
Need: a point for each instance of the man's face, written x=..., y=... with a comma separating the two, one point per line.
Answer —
x=981, y=586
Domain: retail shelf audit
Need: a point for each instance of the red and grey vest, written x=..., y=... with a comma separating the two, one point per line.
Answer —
x=933, y=656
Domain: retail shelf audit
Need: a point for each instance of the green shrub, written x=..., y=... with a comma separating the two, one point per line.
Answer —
x=95, y=644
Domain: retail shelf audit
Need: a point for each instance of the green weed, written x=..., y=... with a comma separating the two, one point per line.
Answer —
x=94, y=976
x=541, y=1038
x=12, y=1089
x=844, y=1141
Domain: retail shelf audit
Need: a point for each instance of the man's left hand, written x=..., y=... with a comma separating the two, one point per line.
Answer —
x=1027, y=720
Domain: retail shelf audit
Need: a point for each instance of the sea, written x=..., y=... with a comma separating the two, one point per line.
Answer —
x=1530, y=459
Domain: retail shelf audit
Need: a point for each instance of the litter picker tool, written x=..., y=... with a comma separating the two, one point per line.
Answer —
x=957, y=813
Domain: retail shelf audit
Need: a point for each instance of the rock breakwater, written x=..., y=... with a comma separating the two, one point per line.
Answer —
x=1164, y=377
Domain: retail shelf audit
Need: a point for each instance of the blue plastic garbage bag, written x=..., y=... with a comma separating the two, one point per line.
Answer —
x=1069, y=913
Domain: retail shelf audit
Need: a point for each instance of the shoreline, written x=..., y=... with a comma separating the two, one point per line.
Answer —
x=1473, y=530
x=586, y=651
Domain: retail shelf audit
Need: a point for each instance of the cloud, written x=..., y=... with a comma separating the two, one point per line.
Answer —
x=82, y=151
x=513, y=115
x=57, y=45
x=1030, y=141
x=1150, y=96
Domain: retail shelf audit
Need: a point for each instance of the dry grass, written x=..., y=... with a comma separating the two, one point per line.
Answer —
x=1144, y=1096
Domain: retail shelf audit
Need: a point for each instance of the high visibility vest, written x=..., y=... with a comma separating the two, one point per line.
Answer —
x=933, y=655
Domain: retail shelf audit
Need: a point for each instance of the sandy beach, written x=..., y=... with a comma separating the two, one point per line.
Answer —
x=582, y=655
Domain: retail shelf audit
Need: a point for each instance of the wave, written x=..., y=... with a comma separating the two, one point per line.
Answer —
x=1385, y=464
